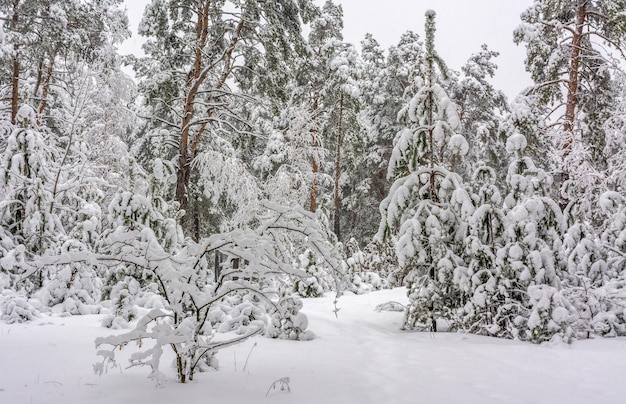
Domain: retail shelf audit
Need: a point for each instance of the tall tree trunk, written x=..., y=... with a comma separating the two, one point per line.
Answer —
x=338, y=168
x=15, y=89
x=431, y=129
x=315, y=162
x=188, y=145
x=46, y=88
x=192, y=85
x=39, y=77
x=572, y=84
x=572, y=93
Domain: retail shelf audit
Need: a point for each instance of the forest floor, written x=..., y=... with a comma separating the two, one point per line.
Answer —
x=360, y=357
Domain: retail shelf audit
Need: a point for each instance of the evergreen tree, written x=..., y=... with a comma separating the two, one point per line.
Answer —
x=528, y=266
x=207, y=56
x=483, y=240
x=426, y=200
x=572, y=76
x=481, y=107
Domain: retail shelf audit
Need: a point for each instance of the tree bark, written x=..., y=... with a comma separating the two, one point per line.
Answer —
x=338, y=168
x=46, y=89
x=572, y=84
x=314, y=163
x=15, y=89
x=196, y=77
x=192, y=85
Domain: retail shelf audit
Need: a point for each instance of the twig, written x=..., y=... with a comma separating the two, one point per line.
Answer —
x=245, y=365
x=282, y=383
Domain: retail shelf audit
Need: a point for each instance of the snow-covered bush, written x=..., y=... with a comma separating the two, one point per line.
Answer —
x=598, y=310
x=123, y=298
x=317, y=281
x=202, y=312
x=286, y=321
x=73, y=288
x=549, y=317
x=369, y=269
x=484, y=238
x=527, y=263
x=17, y=308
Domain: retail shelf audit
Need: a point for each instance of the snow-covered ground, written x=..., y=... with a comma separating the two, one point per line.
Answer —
x=360, y=357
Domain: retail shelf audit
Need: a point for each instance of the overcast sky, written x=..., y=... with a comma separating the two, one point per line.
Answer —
x=462, y=26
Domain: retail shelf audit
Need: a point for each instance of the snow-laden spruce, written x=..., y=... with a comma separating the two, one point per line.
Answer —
x=427, y=202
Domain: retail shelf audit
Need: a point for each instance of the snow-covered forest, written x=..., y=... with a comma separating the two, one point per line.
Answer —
x=258, y=162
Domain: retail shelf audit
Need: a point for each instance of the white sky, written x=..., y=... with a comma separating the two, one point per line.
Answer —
x=462, y=26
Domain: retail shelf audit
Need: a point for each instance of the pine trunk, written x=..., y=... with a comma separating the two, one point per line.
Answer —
x=194, y=80
x=46, y=89
x=314, y=163
x=15, y=90
x=572, y=84
x=338, y=168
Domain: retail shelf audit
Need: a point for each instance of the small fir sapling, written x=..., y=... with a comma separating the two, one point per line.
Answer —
x=594, y=280
x=484, y=237
x=73, y=288
x=364, y=269
x=596, y=296
x=286, y=320
x=528, y=266
x=317, y=280
x=17, y=308
x=123, y=307
x=428, y=203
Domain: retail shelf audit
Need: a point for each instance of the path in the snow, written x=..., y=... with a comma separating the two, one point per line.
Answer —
x=395, y=366
x=360, y=357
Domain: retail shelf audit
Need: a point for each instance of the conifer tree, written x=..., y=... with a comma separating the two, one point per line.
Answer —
x=383, y=92
x=481, y=108
x=483, y=240
x=528, y=266
x=573, y=79
x=207, y=56
x=426, y=200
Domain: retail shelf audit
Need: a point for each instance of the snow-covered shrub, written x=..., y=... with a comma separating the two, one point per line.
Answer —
x=123, y=298
x=317, y=280
x=598, y=310
x=528, y=267
x=239, y=311
x=367, y=269
x=484, y=237
x=549, y=317
x=202, y=312
x=13, y=266
x=16, y=308
x=73, y=288
x=287, y=322
x=613, y=236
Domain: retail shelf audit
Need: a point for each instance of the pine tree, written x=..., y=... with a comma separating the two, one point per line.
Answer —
x=528, y=267
x=426, y=200
x=484, y=239
x=481, y=108
x=207, y=57
x=572, y=76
